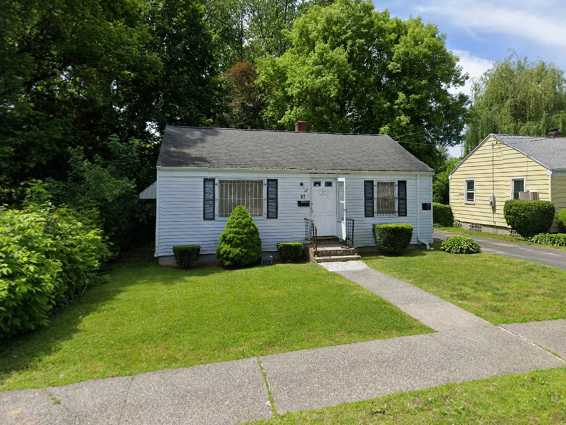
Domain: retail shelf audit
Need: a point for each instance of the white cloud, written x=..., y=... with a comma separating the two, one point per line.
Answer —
x=472, y=65
x=540, y=21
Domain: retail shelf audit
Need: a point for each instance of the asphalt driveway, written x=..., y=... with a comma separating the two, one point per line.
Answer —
x=548, y=256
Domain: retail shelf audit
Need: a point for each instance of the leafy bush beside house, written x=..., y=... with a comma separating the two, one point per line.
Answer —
x=551, y=239
x=529, y=218
x=392, y=238
x=239, y=245
x=48, y=256
x=460, y=245
x=186, y=255
x=561, y=220
x=442, y=214
x=291, y=252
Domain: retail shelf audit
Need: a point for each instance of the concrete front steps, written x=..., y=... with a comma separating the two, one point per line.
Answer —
x=332, y=250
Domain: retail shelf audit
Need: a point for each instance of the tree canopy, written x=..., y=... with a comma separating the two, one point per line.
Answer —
x=350, y=68
x=517, y=97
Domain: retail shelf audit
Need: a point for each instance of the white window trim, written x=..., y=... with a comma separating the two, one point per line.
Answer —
x=466, y=191
x=242, y=178
x=513, y=179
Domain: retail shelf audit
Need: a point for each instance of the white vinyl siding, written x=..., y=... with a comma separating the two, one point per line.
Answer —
x=180, y=208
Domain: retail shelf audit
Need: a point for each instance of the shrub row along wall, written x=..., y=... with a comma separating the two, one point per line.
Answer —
x=48, y=256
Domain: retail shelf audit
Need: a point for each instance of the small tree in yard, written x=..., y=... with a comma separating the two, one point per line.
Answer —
x=239, y=245
x=529, y=218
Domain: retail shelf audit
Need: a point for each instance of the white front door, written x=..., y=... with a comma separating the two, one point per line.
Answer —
x=323, y=201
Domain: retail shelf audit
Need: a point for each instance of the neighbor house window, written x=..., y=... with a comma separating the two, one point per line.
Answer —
x=385, y=197
x=470, y=190
x=518, y=186
x=248, y=193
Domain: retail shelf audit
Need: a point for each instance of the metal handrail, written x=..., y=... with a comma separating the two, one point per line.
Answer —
x=350, y=232
x=311, y=234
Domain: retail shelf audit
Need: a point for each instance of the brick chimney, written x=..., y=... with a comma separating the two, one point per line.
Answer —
x=300, y=126
x=554, y=132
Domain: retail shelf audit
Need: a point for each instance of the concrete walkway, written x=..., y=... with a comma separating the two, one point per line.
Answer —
x=548, y=256
x=464, y=348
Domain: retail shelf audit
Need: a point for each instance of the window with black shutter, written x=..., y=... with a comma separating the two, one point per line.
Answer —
x=272, y=204
x=402, y=198
x=208, y=202
x=368, y=198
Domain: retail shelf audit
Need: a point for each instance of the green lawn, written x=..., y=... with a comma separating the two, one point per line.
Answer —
x=485, y=235
x=148, y=317
x=534, y=398
x=497, y=288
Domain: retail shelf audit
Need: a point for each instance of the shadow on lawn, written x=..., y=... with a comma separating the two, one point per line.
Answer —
x=134, y=268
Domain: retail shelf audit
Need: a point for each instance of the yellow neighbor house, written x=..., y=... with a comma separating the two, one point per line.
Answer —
x=504, y=167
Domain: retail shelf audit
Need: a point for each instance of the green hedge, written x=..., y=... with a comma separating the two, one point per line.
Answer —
x=460, y=245
x=186, y=255
x=392, y=238
x=291, y=252
x=47, y=258
x=442, y=214
x=551, y=239
x=561, y=220
x=239, y=245
x=529, y=218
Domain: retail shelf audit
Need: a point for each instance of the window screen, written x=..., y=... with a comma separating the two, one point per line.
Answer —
x=248, y=193
x=386, y=197
x=470, y=190
x=518, y=186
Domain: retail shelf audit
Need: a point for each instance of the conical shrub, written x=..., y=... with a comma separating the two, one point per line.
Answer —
x=239, y=244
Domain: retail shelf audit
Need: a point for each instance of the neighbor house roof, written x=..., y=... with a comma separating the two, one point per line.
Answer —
x=283, y=150
x=550, y=152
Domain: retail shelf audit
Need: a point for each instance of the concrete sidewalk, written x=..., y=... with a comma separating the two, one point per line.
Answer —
x=464, y=348
x=547, y=256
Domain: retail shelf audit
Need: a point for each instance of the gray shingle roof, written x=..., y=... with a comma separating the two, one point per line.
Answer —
x=283, y=150
x=549, y=152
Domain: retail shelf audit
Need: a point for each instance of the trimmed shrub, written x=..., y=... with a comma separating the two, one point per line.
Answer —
x=551, y=239
x=47, y=258
x=392, y=238
x=291, y=252
x=442, y=214
x=561, y=220
x=239, y=245
x=186, y=255
x=460, y=245
x=529, y=218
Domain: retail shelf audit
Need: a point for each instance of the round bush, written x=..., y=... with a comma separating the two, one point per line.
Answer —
x=460, y=245
x=529, y=218
x=239, y=245
x=442, y=214
x=392, y=238
x=561, y=220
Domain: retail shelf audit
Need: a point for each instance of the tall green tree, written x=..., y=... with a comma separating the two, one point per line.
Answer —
x=517, y=97
x=351, y=68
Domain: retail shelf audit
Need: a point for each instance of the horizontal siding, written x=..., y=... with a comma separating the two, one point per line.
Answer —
x=559, y=191
x=420, y=220
x=180, y=199
x=493, y=166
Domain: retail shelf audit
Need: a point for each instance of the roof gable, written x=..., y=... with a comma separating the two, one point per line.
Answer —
x=550, y=152
x=283, y=150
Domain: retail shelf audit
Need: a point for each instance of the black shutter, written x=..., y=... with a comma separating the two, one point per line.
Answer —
x=272, y=204
x=208, y=199
x=368, y=198
x=402, y=198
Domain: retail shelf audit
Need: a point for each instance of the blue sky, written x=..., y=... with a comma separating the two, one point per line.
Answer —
x=482, y=32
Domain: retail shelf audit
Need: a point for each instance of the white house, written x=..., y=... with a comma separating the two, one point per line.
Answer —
x=283, y=178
